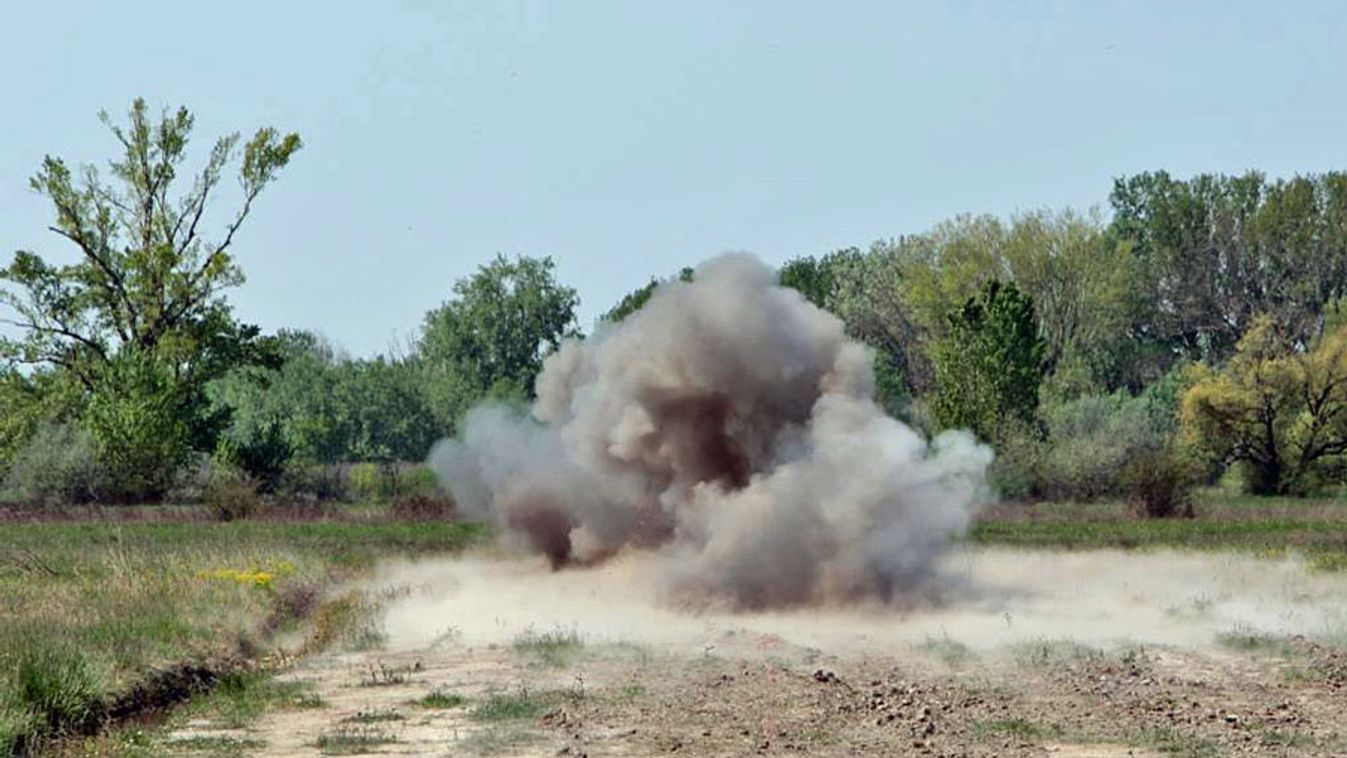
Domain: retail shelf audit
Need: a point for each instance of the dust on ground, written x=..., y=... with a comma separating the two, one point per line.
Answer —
x=1026, y=653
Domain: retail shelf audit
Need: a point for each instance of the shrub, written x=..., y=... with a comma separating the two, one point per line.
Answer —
x=1017, y=471
x=1159, y=484
x=312, y=482
x=1090, y=441
x=232, y=496
x=140, y=425
x=263, y=457
x=58, y=466
x=420, y=507
x=365, y=481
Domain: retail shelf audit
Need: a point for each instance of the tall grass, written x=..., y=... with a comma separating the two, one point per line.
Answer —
x=90, y=608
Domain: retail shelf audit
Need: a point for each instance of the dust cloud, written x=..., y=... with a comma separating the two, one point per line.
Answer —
x=727, y=429
x=1009, y=598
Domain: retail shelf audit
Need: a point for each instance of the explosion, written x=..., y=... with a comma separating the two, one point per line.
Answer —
x=729, y=426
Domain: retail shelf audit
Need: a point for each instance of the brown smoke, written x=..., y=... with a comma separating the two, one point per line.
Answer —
x=729, y=425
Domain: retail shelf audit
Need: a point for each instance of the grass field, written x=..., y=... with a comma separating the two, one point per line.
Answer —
x=102, y=619
x=115, y=616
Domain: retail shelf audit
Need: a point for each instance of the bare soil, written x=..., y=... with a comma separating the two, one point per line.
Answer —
x=821, y=682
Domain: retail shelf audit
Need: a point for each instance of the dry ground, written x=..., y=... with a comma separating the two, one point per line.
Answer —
x=1215, y=656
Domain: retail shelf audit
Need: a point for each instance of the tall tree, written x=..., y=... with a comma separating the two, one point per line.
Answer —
x=148, y=280
x=491, y=336
x=1276, y=407
x=989, y=368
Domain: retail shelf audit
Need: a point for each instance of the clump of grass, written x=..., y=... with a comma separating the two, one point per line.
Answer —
x=219, y=745
x=240, y=697
x=382, y=675
x=376, y=716
x=440, y=699
x=1168, y=740
x=60, y=687
x=1015, y=727
x=1050, y=652
x=555, y=648
x=522, y=705
x=947, y=649
x=497, y=741
x=1249, y=640
x=352, y=740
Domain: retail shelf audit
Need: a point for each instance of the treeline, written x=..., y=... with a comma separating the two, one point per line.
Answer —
x=1193, y=326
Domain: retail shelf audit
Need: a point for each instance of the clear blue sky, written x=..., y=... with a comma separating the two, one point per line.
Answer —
x=627, y=139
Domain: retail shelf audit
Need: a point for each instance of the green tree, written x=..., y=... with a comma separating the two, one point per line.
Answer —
x=1213, y=252
x=321, y=407
x=634, y=300
x=990, y=366
x=147, y=283
x=1277, y=408
x=491, y=337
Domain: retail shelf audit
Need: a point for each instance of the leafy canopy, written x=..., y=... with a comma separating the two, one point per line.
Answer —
x=1274, y=407
x=988, y=370
x=490, y=338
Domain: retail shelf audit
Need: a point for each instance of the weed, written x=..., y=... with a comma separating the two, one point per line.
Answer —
x=947, y=649
x=438, y=698
x=521, y=705
x=220, y=745
x=381, y=675
x=376, y=716
x=1246, y=639
x=554, y=648
x=1015, y=727
x=1049, y=652
x=352, y=740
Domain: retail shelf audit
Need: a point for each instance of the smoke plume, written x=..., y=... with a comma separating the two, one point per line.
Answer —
x=728, y=425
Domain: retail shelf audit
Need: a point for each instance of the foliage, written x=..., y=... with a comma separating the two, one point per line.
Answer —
x=1214, y=251
x=57, y=466
x=263, y=456
x=232, y=496
x=634, y=300
x=1091, y=440
x=321, y=407
x=989, y=368
x=1159, y=484
x=489, y=340
x=147, y=285
x=139, y=420
x=1276, y=408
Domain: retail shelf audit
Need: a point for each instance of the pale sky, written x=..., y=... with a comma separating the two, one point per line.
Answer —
x=626, y=139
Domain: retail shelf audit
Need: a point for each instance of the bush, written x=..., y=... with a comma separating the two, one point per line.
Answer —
x=1159, y=484
x=232, y=496
x=312, y=482
x=421, y=507
x=139, y=420
x=57, y=466
x=389, y=481
x=262, y=457
x=1017, y=471
x=1090, y=441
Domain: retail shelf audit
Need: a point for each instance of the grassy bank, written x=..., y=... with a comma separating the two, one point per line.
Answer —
x=95, y=613
x=1316, y=528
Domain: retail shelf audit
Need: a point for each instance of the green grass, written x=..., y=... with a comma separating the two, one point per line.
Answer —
x=521, y=705
x=1015, y=727
x=440, y=699
x=347, y=740
x=217, y=745
x=376, y=716
x=1315, y=528
x=555, y=648
x=90, y=607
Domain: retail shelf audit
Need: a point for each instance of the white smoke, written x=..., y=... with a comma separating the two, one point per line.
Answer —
x=728, y=424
